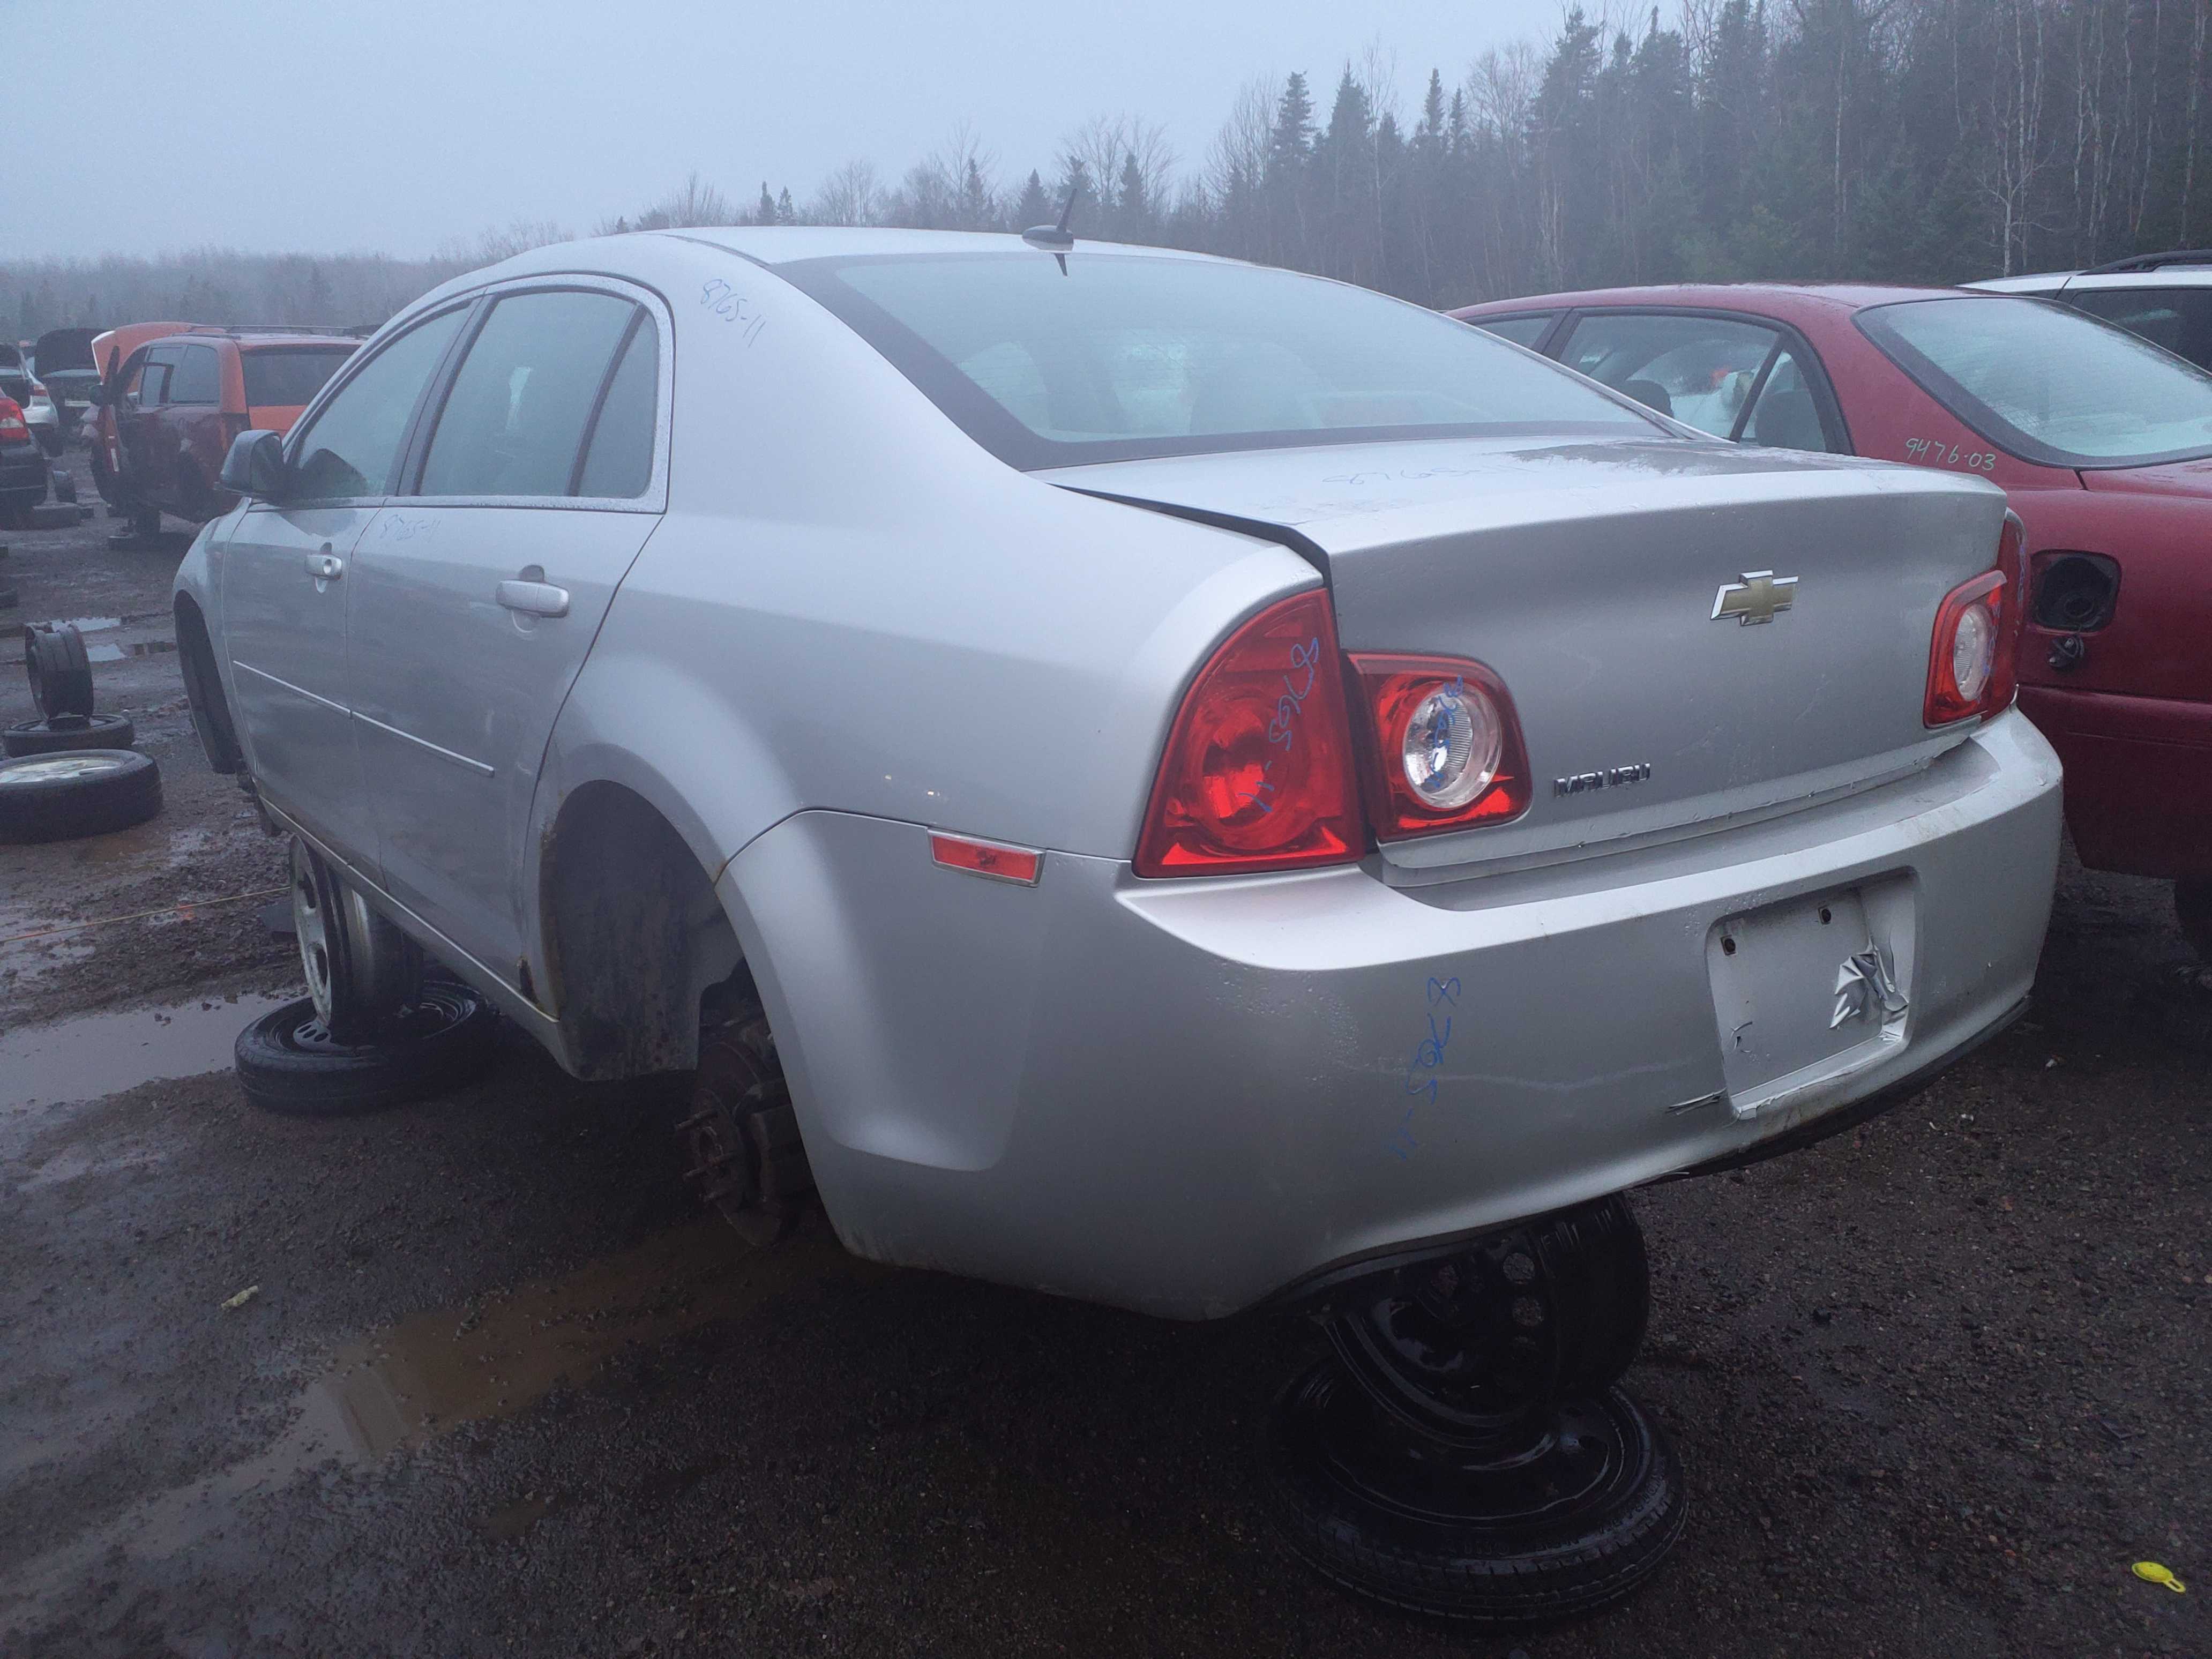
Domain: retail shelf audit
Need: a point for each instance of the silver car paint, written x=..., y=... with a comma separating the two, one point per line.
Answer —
x=1180, y=1096
x=852, y=624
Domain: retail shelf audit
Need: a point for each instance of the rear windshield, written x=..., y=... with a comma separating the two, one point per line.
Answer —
x=279, y=377
x=2047, y=383
x=1129, y=356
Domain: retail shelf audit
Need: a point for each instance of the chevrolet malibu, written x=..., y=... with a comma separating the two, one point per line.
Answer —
x=1130, y=774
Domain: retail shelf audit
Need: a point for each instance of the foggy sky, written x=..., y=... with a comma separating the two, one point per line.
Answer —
x=396, y=125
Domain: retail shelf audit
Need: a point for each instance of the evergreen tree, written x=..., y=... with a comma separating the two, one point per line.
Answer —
x=786, y=214
x=1284, y=186
x=1075, y=187
x=978, y=202
x=1033, y=207
x=1135, y=219
x=765, y=212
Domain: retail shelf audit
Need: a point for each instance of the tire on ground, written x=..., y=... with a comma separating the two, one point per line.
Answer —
x=80, y=792
x=286, y=1063
x=2192, y=908
x=60, y=671
x=1536, y=1571
x=65, y=732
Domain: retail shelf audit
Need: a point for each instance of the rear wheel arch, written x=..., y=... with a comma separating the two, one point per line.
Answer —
x=211, y=715
x=634, y=935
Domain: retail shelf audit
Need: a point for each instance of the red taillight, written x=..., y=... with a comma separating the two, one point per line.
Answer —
x=13, y=428
x=1258, y=771
x=1445, y=745
x=1972, y=657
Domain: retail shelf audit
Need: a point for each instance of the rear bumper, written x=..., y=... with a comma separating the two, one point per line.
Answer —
x=1183, y=1096
x=2138, y=777
x=23, y=472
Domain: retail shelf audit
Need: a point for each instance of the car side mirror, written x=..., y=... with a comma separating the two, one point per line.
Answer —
x=255, y=466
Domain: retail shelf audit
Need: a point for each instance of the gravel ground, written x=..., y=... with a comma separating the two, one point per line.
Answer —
x=1935, y=1383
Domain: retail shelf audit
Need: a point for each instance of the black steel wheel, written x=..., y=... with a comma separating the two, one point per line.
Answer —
x=288, y=1061
x=1476, y=1343
x=81, y=791
x=60, y=671
x=2192, y=908
x=64, y=731
x=1572, y=1519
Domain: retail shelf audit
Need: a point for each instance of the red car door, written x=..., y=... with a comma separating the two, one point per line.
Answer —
x=138, y=416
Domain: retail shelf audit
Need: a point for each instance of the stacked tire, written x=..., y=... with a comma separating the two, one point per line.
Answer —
x=72, y=773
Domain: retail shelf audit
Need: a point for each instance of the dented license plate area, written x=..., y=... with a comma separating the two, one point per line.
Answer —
x=1808, y=991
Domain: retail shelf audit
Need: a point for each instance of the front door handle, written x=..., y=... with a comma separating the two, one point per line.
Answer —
x=326, y=567
x=534, y=598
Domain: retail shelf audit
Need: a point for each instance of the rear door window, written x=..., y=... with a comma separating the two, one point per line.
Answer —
x=1785, y=412
x=618, y=455
x=283, y=377
x=1700, y=370
x=513, y=422
x=352, y=445
x=197, y=377
x=1522, y=330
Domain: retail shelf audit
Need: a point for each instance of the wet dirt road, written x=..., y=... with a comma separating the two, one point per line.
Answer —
x=499, y=1389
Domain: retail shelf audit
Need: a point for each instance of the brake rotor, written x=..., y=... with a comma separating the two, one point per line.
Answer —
x=741, y=1140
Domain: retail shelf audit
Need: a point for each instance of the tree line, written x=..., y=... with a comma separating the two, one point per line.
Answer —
x=1881, y=140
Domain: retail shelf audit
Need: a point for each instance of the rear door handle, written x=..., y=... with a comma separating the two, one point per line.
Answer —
x=326, y=567
x=534, y=598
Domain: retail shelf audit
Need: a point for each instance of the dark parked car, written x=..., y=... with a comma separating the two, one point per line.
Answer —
x=23, y=463
x=170, y=411
x=2104, y=443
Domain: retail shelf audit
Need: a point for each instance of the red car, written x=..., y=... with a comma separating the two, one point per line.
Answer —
x=168, y=410
x=2102, y=441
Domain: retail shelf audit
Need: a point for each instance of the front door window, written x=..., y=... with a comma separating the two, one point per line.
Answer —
x=352, y=448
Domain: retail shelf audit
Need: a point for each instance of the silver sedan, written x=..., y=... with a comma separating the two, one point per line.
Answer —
x=1196, y=779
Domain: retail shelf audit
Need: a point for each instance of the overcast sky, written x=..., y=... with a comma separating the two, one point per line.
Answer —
x=396, y=125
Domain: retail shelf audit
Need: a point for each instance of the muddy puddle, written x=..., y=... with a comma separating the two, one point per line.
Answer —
x=99, y=1054
x=497, y=1355
x=117, y=653
x=490, y=1358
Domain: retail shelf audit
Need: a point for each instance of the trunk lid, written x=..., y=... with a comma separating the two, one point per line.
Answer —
x=1586, y=574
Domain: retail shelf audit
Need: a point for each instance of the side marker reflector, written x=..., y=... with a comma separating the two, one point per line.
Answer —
x=985, y=858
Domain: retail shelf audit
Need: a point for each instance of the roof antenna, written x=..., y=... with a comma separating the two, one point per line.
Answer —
x=1055, y=240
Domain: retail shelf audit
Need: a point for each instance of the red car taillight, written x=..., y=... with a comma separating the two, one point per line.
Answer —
x=1973, y=658
x=14, y=429
x=1445, y=745
x=1257, y=774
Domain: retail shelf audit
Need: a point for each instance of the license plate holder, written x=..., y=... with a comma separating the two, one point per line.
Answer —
x=1810, y=989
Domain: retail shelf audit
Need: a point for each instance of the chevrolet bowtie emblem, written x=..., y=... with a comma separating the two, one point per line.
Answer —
x=1755, y=599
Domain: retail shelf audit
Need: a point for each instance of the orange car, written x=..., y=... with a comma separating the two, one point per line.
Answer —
x=173, y=396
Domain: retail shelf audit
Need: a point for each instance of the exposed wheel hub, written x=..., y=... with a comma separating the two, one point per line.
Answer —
x=741, y=1140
